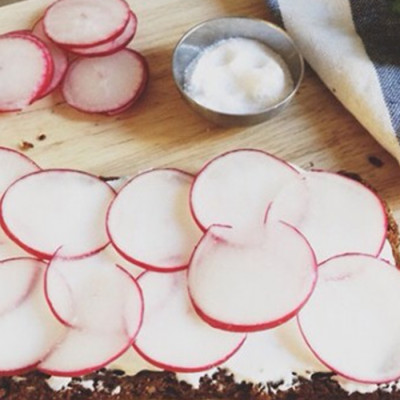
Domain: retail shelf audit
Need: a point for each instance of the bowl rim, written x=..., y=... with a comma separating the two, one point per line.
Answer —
x=271, y=25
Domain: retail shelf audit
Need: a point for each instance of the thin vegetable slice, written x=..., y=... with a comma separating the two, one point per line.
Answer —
x=82, y=352
x=173, y=336
x=352, y=320
x=60, y=59
x=93, y=292
x=84, y=23
x=251, y=282
x=113, y=45
x=236, y=188
x=48, y=209
x=21, y=82
x=335, y=213
x=150, y=223
x=22, y=350
x=13, y=165
x=103, y=306
x=16, y=284
x=104, y=84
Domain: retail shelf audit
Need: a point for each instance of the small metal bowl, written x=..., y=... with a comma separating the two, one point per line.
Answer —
x=214, y=30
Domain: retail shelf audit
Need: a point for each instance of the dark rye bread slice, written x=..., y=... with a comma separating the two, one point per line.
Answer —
x=148, y=385
x=114, y=385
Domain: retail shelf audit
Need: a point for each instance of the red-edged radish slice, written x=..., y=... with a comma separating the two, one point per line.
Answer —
x=352, y=320
x=58, y=55
x=93, y=292
x=129, y=105
x=251, y=283
x=82, y=352
x=21, y=82
x=15, y=283
x=28, y=331
x=236, y=188
x=104, y=84
x=13, y=165
x=103, y=306
x=48, y=209
x=330, y=210
x=122, y=109
x=85, y=23
x=112, y=46
x=150, y=223
x=173, y=335
x=132, y=268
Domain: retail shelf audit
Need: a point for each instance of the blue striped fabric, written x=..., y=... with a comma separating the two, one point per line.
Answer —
x=378, y=26
x=274, y=5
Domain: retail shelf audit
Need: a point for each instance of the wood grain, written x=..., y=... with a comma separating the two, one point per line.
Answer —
x=315, y=130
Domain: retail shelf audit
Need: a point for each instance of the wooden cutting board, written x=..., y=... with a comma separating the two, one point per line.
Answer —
x=314, y=131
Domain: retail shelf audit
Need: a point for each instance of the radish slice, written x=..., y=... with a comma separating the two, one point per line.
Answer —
x=21, y=82
x=236, y=188
x=252, y=283
x=127, y=106
x=84, y=351
x=16, y=283
x=112, y=46
x=132, y=268
x=352, y=320
x=101, y=303
x=150, y=223
x=104, y=84
x=330, y=210
x=93, y=293
x=28, y=331
x=58, y=55
x=13, y=165
x=85, y=23
x=172, y=336
x=122, y=109
x=48, y=209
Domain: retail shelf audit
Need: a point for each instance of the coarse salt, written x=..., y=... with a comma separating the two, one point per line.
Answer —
x=238, y=76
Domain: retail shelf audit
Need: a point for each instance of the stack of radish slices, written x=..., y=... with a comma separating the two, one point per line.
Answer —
x=80, y=45
x=183, y=267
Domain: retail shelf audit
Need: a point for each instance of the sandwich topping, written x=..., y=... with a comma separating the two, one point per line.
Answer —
x=249, y=265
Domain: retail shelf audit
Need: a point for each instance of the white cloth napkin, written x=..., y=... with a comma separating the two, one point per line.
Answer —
x=354, y=46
